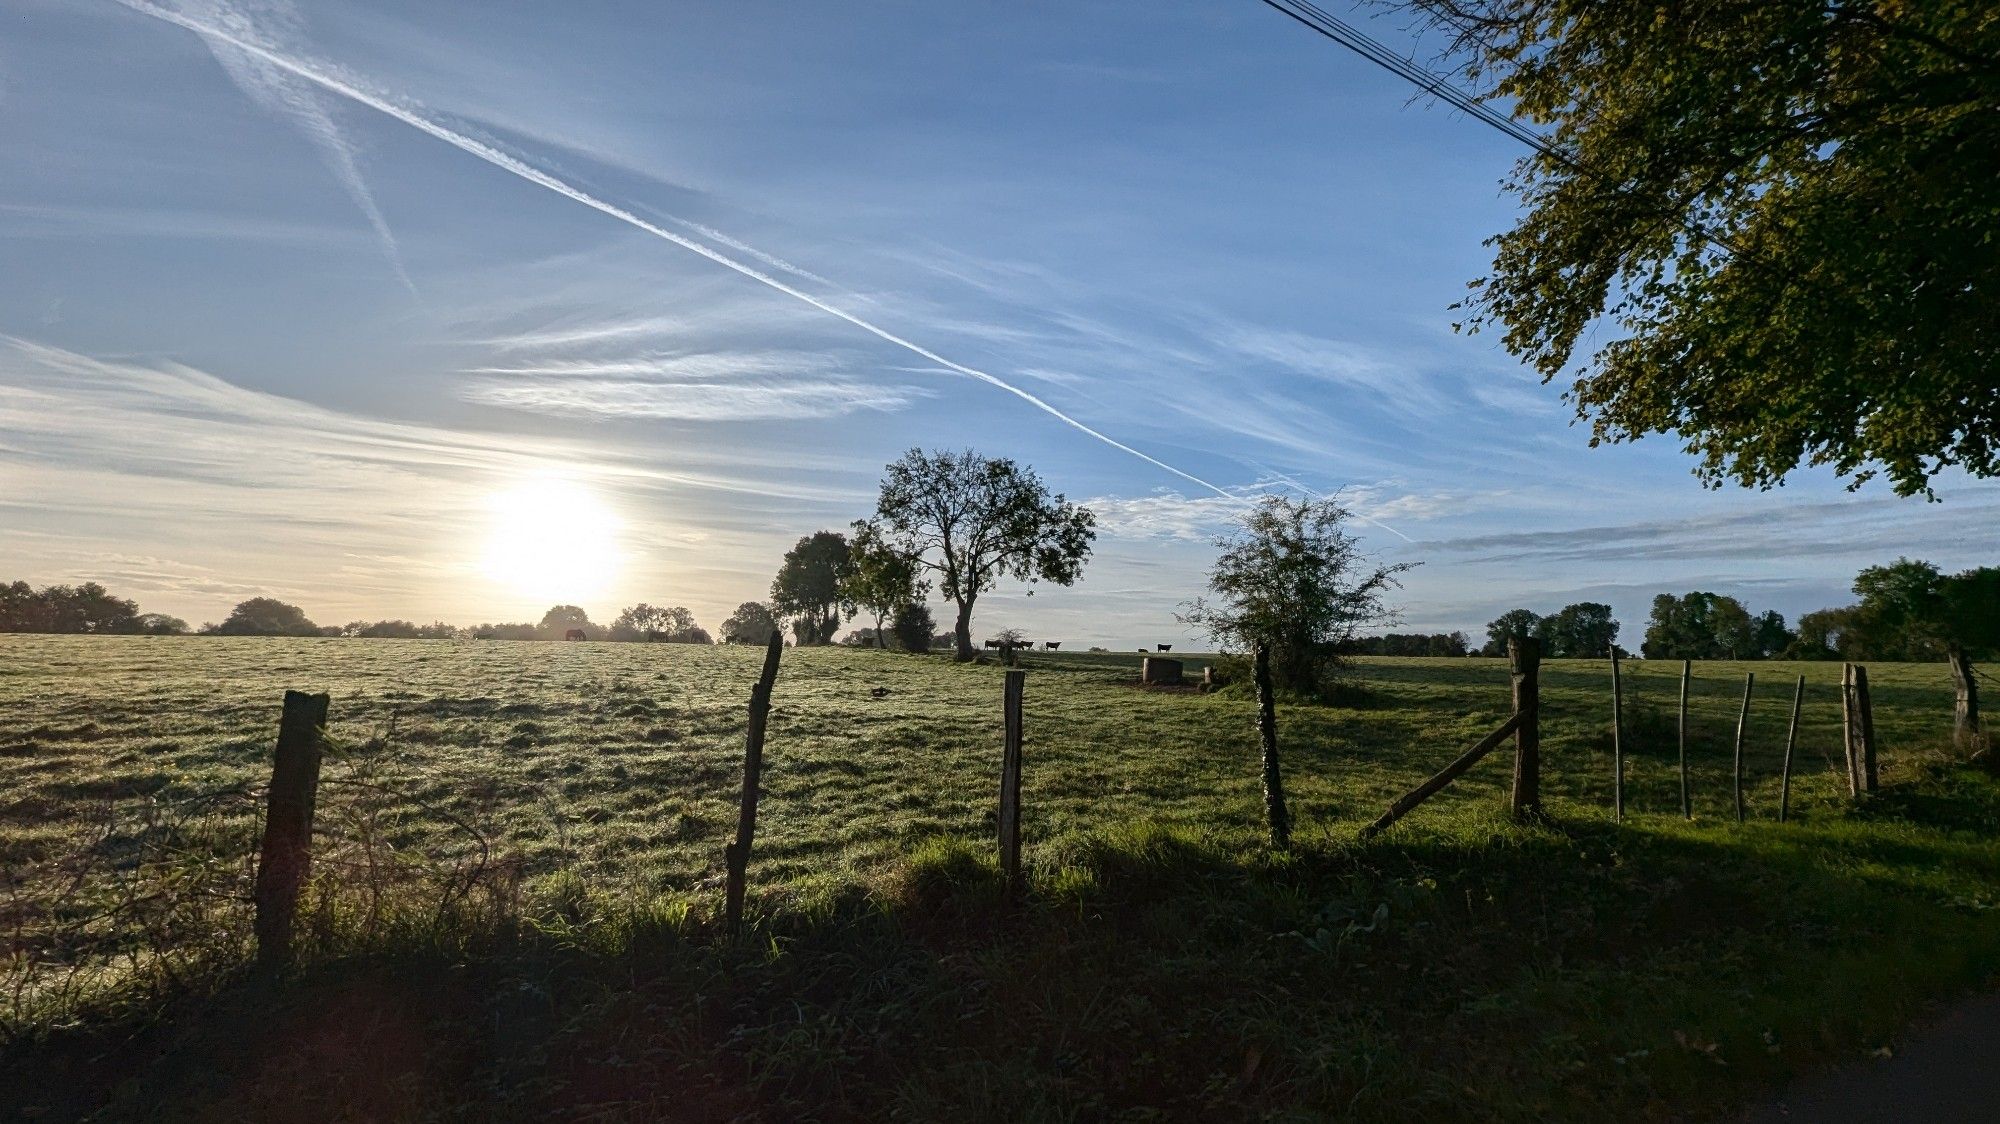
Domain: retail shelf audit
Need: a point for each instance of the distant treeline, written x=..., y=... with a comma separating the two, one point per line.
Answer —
x=1411, y=644
x=1906, y=610
x=91, y=609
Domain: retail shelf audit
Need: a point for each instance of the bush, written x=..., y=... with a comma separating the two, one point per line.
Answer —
x=913, y=627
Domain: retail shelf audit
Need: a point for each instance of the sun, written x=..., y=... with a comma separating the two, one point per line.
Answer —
x=552, y=539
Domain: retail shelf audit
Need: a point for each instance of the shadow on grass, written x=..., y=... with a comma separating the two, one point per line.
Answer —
x=1464, y=967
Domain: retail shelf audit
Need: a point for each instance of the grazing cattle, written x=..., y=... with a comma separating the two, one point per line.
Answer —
x=1164, y=647
x=992, y=643
x=1051, y=645
x=575, y=634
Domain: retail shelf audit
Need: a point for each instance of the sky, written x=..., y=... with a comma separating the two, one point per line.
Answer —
x=458, y=311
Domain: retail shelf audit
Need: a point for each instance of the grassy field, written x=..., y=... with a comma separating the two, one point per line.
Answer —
x=522, y=846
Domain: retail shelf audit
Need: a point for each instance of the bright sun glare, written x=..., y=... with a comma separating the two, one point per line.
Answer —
x=553, y=540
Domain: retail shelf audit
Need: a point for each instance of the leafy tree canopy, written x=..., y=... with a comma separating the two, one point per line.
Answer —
x=807, y=590
x=1293, y=578
x=561, y=618
x=1789, y=212
x=1585, y=630
x=751, y=623
x=913, y=627
x=266, y=616
x=880, y=580
x=973, y=520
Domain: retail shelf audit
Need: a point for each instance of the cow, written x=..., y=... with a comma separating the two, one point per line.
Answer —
x=575, y=634
x=1164, y=647
x=1052, y=645
x=992, y=643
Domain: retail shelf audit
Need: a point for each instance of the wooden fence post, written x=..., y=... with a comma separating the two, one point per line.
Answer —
x=1267, y=734
x=1524, y=662
x=285, y=860
x=1742, y=722
x=1010, y=784
x=1870, y=779
x=736, y=857
x=1850, y=729
x=1687, y=804
x=1966, y=731
x=1617, y=741
x=1791, y=743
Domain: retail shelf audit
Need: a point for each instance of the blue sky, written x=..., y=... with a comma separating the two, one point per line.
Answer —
x=454, y=311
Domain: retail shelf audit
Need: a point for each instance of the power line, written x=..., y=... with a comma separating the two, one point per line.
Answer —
x=1347, y=35
x=1318, y=19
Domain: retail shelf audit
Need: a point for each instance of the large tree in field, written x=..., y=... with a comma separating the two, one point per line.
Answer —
x=807, y=590
x=557, y=622
x=266, y=616
x=1786, y=213
x=972, y=520
x=1583, y=631
x=880, y=580
x=1514, y=624
x=751, y=623
x=1293, y=578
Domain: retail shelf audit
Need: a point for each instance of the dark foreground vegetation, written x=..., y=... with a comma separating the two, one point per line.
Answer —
x=1164, y=963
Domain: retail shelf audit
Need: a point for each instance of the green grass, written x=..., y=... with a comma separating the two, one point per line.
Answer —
x=522, y=848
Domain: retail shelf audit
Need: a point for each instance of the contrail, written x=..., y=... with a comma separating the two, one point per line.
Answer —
x=534, y=175
x=1294, y=481
x=282, y=94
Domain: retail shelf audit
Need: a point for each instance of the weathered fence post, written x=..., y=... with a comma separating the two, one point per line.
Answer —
x=285, y=860
x=1617, y=741
x=736, y=857
x=1850, y=728
x=1742, y=722
x=1524, y=662
x=1267, y=733
x=1966, y=730
x=1870, y=779
x=1687, y=804
x=1010, y=784
x=1791, y=743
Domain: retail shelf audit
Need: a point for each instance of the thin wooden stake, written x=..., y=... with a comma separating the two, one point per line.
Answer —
x=285, y=860
x=1742, y=723
x=1617, y=742
x=1010, y=783
x=1445, y=776
x=1850, y=728
x=1870, y=778
x=736, y=856
x=1524, y=662
x=1791, y=743
x=1967, y=733
x=1687, y=804
x=1267, y=733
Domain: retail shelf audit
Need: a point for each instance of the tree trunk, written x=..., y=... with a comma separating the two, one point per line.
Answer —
x=962, y=632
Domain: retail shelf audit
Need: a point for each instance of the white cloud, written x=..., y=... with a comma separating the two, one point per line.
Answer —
x=694, y=401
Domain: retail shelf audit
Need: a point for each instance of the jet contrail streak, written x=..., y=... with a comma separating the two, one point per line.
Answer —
x=536, y=176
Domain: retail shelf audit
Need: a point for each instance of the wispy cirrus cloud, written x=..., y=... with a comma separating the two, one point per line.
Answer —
x=1867, y=528
x=272, y=25
x=688, y=401
x=515, y=165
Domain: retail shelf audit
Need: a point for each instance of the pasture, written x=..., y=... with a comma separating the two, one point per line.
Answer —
x=522, y=846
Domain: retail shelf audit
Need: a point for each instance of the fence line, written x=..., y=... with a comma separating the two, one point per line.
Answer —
x=285, y=857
